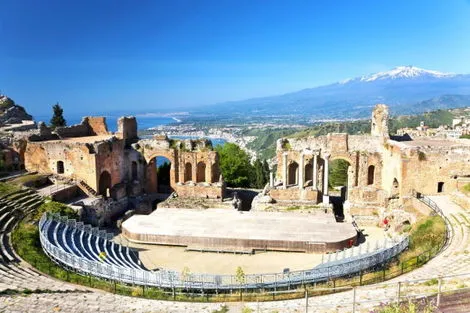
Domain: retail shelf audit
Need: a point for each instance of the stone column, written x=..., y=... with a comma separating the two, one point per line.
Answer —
x=326, y=198
x=315, y=172
x=284, y=170
x=301, y=172
x=271, y=179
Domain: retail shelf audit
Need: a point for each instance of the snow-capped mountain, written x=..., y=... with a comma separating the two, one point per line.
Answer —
x=406, y=72
x=401, y=88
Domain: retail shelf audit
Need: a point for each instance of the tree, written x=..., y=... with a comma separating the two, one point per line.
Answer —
x=58, y=119
x=258, y=177
x=240, y=276
x=261, y=174
x=163, y=173
x=266, y=171
x=235, y=165
x=338, y=173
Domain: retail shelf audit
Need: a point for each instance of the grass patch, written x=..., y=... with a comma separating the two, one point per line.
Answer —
x=428, y=233
x=410, y=306
x=6, y=189
x=30, y=180
x=301, y=207
x=55, y=207
x=466, y=189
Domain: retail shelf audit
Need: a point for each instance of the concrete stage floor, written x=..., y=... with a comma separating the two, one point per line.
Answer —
x=230, y=230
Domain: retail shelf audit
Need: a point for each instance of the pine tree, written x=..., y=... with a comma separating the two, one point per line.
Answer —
x=266, y=171
x=258, y=178
x=58, y=119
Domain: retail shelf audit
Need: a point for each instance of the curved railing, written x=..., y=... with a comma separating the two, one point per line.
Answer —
x=437, y=210
x=341, y=264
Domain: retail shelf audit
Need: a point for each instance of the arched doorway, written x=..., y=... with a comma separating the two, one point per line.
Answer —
x=293, y=174
x=60, y=167
x=163, y=169
x=338, y=173
x=370, y=175
x=188, y=172
x=104, y=184
x=338, y=177
x=440, y=187
x=201, y=172
x=309, y=173
x=395, y=188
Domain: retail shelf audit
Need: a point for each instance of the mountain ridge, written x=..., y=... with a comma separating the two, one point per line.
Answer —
x=400, y=87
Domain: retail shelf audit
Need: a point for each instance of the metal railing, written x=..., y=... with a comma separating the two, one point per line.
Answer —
x=437, y=210
x=340, y=264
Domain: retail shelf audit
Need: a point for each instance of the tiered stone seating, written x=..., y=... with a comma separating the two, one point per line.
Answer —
x=14, y=274
x=88, y=243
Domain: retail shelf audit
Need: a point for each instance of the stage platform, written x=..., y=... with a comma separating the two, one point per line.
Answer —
x=230, y=230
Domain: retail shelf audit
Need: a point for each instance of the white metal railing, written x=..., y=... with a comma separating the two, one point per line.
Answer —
x=338, y=264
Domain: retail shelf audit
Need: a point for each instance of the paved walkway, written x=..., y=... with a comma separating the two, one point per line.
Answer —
x=454, y=260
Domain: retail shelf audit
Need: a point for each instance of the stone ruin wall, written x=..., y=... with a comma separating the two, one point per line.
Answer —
x=361, y=151
x=194, y=168
x=97, y=125
x=127, y=129
x=424, y=167
x=43, y=157
x=89, y=126
x=110, y=157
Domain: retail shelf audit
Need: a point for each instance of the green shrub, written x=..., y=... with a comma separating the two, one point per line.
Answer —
x=56, y=207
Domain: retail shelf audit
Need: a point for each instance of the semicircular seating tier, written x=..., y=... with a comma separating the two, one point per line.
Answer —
x=89, y=250
x=15, y=274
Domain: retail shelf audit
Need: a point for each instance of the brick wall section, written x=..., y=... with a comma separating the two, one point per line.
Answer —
x=97, y=125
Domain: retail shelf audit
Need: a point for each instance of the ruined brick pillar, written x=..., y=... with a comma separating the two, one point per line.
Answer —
x=326, y=198
x=379, y=126
x=284, y=170
x=301, y=171
x=315, y=171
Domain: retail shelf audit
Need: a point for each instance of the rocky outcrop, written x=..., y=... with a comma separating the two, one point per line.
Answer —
x=11, y=113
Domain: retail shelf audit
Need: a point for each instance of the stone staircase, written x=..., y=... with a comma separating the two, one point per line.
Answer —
x=15, y=274
x=86, y=188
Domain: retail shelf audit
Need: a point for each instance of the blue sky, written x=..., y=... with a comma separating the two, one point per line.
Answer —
x=96, y=56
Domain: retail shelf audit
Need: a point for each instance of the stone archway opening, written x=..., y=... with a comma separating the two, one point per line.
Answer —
x=201, y=172
x=308, y=174
x=371, y=175
x=338, y=178
x=188, y=172
x=293, y=173
x=104, y=184
x=163, y=170
x=60, y=167
x=440, y=187
x=338, y=173
x=395, y=188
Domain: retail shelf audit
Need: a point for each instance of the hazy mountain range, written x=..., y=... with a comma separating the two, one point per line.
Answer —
x=406, y=89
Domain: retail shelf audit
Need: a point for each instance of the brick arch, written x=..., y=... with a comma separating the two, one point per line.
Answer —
x=201, y=172
x=151, y=169
x=353, y=177
x=293, y=173
x=104, y=183
x=346, y=158
x=188, y=172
